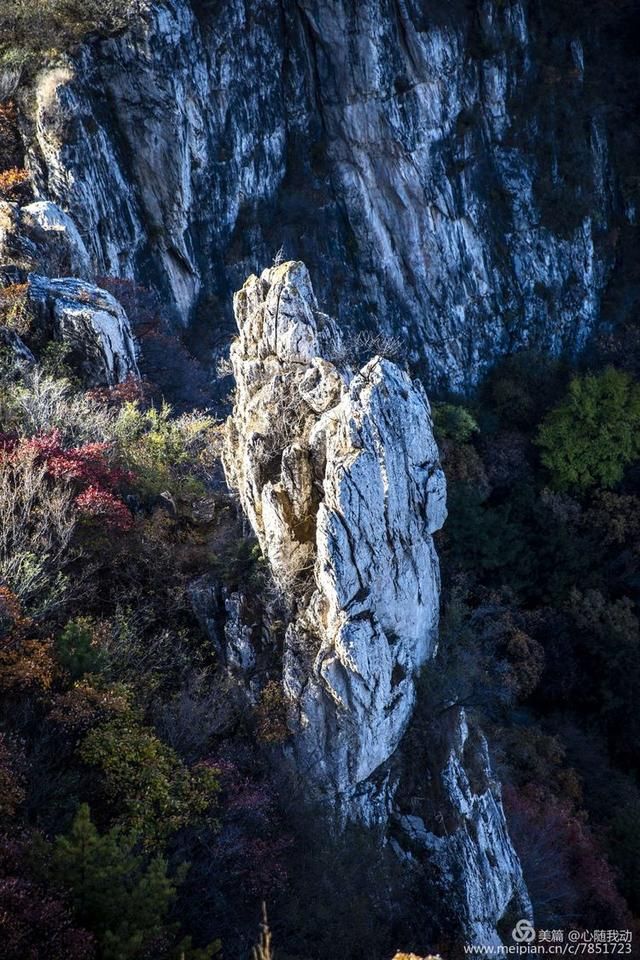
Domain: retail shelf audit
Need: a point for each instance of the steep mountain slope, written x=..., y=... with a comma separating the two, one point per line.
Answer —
x=455, y=183
x=445, y=171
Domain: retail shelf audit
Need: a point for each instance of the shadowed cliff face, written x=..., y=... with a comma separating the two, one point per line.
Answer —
x=440, y=168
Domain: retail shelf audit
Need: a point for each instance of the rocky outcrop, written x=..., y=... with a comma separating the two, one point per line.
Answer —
x=458, y=828
x=18, y=353
x=338, y=472
x=41, y=250
x=445, y=172
x=91, y=325
x=41, y=237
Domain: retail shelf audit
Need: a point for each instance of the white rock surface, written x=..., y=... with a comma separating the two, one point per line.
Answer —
x=60, y=231
x=465, y=838
x=42, y=238
x=340, y=477
x=420, y=161
x=91, y=323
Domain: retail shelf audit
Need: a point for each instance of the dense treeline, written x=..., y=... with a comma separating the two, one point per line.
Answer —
x=541, y=621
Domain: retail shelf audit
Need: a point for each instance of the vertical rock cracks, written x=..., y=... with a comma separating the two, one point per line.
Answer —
x=441, y=169
x=337, y=470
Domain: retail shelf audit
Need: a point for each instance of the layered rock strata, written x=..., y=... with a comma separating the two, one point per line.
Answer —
x=446, y=171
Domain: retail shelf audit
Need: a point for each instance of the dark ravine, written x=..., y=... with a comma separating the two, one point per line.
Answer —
x=445, y=172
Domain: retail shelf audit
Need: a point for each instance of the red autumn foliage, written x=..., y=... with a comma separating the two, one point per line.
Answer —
x=131, y=390
x=86, y=466
x=565, y=868
x=251, y=844
x=96, y=503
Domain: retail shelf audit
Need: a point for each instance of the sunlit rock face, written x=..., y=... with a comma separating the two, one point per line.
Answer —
x=338, y=472
x=460, y=830
x=89, y=323
x=438, y=168
x=43, y=238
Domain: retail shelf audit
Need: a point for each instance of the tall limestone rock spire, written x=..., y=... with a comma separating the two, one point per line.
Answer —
x=338, y=472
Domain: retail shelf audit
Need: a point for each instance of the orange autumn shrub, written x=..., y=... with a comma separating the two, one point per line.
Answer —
x=14, y=184
x=26, y=663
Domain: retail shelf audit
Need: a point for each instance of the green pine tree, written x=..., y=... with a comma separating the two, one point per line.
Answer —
x=589, y=438
x=118, y=894
x=76, y=650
